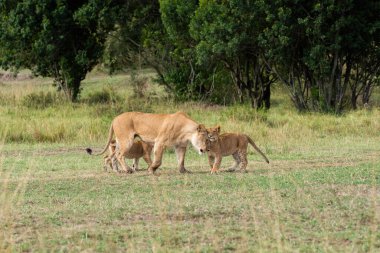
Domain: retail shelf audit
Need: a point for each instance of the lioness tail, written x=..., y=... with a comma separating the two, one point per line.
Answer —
x=89, y=150
x=257, y=149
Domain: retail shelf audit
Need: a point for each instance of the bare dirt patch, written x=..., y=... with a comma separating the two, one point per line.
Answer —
x=45, y=152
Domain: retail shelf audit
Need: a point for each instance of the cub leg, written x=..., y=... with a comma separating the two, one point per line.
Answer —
x=211, y=160
x=216, y=165
x=113, y=159
x=108, y=158
x=237, y=162
x=115, y=164
x=135, y=165
x=243, y=161
x=107, y=163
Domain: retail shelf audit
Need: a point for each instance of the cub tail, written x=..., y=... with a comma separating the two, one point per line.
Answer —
x=257, y=149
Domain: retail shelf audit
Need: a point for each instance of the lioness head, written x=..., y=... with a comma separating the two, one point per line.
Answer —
x=199, y=139
x=212, y=135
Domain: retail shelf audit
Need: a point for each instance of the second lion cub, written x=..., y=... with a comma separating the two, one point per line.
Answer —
x=139, y=149
x=219, y=145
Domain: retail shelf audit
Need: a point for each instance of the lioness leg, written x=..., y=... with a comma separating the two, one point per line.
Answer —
x=180, y=153
x=124, y=167
x=243, y=161
x=158, y=152
x=124, y=147
x=147, y=159
x=237, y=162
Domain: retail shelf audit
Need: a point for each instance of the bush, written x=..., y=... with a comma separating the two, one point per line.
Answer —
x=140, y=85
x=138, y=104
x=105, y=96
x=7, y=99
x=40, y=100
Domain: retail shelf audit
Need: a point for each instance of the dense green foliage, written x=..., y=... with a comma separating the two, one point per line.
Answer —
x=59, y=39
x=320, y=48
x=327, y=53
x=227, y=32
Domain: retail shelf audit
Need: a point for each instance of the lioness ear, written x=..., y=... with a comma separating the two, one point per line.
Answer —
x=201, y=128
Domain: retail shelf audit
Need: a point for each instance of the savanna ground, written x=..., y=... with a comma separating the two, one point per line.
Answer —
x=320, y=193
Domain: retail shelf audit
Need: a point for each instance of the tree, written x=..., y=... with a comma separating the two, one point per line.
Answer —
x=366, y=53
x=324, y=51
x=316, y=47
x=227, y=32
x=139, y=40
x=156, y=34
x=189, y=80
x=125, y=45
x=59, y=39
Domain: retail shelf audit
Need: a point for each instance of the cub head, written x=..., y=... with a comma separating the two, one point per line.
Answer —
x=199, y=139
x=213, y=133
x=212, y=136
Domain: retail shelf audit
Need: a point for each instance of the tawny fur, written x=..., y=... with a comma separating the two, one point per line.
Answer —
x=109, y=160
x=164, y=130
x=139, y=149
x=226, y=144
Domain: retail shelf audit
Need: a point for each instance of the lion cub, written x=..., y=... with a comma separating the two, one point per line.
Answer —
x=139, y=149
x=219, y=145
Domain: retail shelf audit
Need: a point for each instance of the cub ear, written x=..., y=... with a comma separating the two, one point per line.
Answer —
x=201, y=128
x=217, y=129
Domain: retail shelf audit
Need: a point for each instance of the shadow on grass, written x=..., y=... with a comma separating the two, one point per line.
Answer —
x=166, y=172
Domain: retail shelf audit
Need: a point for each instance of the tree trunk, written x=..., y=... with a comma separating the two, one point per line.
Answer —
x=367, y=92
x=354, y=99
x=75, y=88
x=266, y=96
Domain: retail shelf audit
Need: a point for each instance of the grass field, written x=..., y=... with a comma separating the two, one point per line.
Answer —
x=320, y=193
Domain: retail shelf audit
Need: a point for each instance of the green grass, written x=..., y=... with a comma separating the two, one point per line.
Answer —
x=320, y=193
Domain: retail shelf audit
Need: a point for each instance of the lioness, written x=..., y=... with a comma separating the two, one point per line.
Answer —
x=219, y=145
x=139, y=149
x=163, y=130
